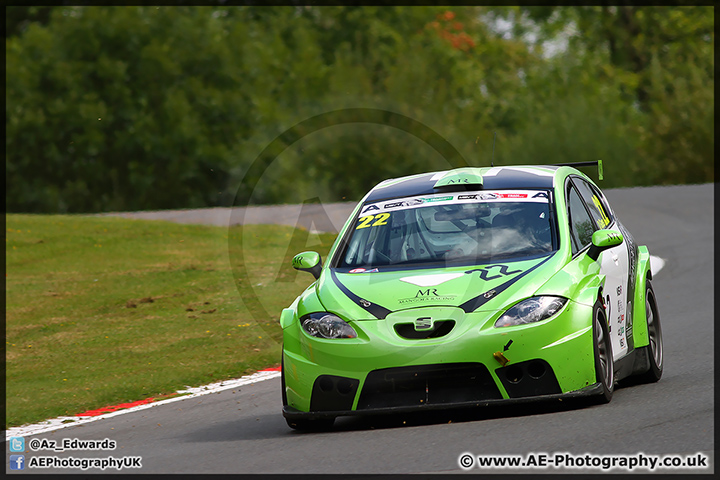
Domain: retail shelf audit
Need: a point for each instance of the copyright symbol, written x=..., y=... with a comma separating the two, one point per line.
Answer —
x=466, y=461
x=34, y=444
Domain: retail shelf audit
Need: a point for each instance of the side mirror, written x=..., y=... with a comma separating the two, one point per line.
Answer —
x=308, y=262
x=602, y=240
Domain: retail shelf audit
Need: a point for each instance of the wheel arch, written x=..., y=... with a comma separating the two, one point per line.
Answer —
x=593, y=291
x=643, y=274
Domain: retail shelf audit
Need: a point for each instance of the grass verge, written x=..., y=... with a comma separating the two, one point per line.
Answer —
x=106, y=310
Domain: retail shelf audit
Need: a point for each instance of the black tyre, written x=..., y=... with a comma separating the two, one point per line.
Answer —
x=653, y=352
x=604, y=366
x=282, y=377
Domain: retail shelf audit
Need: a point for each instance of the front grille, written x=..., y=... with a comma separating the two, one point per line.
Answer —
x=428, y=385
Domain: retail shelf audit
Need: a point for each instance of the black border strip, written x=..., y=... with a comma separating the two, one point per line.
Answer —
x=374, y=309
x=476, y=302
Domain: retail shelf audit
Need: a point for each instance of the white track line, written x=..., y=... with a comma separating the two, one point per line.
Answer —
x=57, y=423
x=656, y=264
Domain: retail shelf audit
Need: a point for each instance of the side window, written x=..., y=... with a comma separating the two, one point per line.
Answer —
x=604, y=203
x=600, y=214
x=581, y=225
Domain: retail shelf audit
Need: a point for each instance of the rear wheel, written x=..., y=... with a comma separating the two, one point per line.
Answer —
x=602, y=350
x=654, y=350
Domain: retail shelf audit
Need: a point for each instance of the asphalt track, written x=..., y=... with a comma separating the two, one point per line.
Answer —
x=242, y=430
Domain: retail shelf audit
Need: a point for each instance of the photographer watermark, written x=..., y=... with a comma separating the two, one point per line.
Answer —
x=20, y=460
x=312, y=212
x=564, y=460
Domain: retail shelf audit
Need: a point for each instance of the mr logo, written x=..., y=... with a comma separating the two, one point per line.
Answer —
x=426, y=293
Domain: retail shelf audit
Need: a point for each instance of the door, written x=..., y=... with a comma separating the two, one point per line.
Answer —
x=614, y=264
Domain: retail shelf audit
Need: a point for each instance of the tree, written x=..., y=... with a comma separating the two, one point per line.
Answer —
x=116, y=111
x=659, y=60
x=18, y=18
x=119, y=108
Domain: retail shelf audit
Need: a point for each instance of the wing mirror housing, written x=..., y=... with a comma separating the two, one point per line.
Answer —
x=602, y=240
x=308, y=262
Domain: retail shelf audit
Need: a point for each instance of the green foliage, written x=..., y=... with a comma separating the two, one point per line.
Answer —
x=576, y=119
x=133, y=108
x=118, y=111
x=18, y=18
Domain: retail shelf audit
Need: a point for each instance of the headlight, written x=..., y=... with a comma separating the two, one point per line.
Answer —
x=531, y=310
x=327, y=325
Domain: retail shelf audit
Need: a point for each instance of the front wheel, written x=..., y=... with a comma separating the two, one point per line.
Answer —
x=282, y=376
x=602, y=350
x=654, y=350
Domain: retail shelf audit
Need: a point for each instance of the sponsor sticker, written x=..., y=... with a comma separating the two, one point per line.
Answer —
x=370, y=208
x=436, y=199
x=511, y=195
x=537, y=196
x=393, y=205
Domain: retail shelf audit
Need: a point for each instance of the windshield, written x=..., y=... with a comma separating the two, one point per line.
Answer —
x=454, y=228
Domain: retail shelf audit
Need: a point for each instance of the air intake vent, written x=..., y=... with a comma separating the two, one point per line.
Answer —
x=420, y=385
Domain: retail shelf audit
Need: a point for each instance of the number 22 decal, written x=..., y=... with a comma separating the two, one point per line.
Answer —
x=367, y=221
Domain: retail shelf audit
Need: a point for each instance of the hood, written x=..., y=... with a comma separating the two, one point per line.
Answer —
x=376, y=293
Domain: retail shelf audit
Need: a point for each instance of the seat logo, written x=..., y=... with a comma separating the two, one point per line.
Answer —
x=423, y=323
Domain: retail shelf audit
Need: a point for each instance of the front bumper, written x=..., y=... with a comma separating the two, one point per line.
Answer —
x=293, y=414
x=383, y=372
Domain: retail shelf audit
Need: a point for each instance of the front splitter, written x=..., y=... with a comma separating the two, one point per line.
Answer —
x=293, y=414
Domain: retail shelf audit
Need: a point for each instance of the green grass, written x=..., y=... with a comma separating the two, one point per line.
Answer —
x=106, y=310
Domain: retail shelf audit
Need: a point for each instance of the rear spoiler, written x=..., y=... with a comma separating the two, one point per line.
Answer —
x=584, y=164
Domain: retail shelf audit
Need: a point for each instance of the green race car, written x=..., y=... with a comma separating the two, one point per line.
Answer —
x=466, y=288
